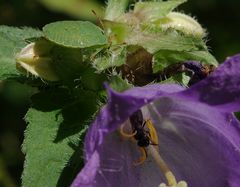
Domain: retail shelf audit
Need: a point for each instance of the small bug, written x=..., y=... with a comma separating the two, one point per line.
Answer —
x=138, y=124
x=143, y=132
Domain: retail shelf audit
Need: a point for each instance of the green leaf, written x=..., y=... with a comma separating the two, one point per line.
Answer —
x=51, y=99
x=16, y=93
x=164, y=58
x=84, y=106
x=75, y=34
x=91, y=80
x=68, y=63
x=45, y=158
x=76, y=8
x=54, y=136
x=151, y=11
x=112, y=57
x=12, y=40
x=19, y=35
x=78, y=113
x=169, y=40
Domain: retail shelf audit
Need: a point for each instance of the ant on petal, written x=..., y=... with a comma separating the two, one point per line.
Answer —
x=143, y=132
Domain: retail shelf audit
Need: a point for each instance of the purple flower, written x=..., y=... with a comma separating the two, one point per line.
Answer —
x=198, y=137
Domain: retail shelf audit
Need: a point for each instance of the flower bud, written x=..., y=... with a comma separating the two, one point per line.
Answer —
x=182, y=22
x=35, y=59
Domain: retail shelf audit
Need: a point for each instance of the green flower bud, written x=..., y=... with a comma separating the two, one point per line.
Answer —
x=183, y=23
x=35, y=59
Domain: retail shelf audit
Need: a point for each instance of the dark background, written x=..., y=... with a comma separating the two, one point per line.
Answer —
x=220, y=17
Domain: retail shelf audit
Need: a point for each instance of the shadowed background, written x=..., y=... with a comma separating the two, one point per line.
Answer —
x=219, y=17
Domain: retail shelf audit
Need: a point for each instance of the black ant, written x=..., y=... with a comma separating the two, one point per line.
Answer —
x=143, y=136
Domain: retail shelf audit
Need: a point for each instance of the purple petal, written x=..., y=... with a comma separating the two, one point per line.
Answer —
x=199, y=142
x=200, y=148
x=120, y=107
x=221, y=88
x=88, y=174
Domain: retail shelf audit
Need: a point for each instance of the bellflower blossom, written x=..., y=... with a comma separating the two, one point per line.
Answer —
x=198, y=136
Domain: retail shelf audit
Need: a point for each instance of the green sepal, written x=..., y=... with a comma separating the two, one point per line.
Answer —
x=117, y=32
x=114, y=56
x=168, y=40
x=119, y=84
x=151, y=11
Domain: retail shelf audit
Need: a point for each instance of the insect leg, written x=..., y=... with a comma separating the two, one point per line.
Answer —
x=142, y=158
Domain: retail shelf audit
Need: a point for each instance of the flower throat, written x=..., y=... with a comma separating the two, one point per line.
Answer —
x=145, y=134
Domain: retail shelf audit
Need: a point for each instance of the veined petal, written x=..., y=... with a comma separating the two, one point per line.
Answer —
x=200, y=144
x=201, y=149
